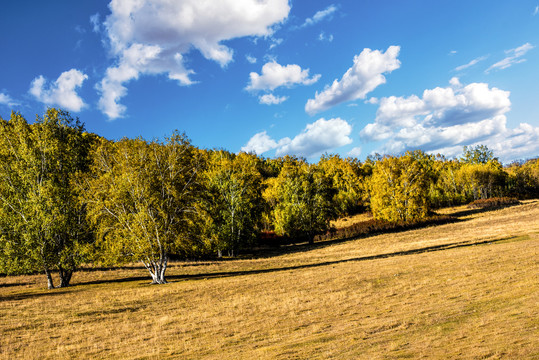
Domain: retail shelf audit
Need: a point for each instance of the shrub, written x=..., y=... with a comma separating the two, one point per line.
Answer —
x=492, y=203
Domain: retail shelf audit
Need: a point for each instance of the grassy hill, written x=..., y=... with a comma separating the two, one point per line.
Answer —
x=464, y=290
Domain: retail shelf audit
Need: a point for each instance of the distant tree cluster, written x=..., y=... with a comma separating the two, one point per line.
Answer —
x=68, y=197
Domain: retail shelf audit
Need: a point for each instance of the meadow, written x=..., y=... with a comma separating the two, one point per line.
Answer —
x=466, y=290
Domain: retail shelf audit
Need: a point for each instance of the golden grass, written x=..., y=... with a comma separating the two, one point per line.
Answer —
x=373, y=298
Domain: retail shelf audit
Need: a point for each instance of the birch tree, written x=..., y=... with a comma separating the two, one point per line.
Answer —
x=42, y=224
x=234, y=203
x=399, y=187
x=303, y=200
x=141, y=199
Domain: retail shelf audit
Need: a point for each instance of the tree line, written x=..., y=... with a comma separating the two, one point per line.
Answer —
x=69, y=197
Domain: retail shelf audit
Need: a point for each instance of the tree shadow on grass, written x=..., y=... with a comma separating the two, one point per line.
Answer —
x=473, y=211
x=226, y=274
x=35, y=294
x=214, y=275
x=14, y=284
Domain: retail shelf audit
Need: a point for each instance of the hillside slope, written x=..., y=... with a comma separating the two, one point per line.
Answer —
x=462, y=290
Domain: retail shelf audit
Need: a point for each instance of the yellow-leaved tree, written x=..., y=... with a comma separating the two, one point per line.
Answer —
x=399, y=187
x=141, y=199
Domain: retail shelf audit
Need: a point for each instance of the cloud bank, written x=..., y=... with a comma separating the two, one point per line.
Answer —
x=445, y=119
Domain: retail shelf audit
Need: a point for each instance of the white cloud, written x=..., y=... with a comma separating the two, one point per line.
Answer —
x=61, y=92
x=5, y=99
x=445, y=119
x=250, y=59
x=320, y=15
x=324, y=37
x=513, y=57
x=133, y=61
x=96, y=24
x=275, y=75
x=355, y=152
x=318, y=137
x=536, y=10
x=471, y=63
x=275, y=42
x=363, y=77
x=260, y=143
x=153, y=36
x=270, y=99
x=518, y=143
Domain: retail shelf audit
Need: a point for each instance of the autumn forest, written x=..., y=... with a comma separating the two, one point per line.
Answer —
x=69, y=197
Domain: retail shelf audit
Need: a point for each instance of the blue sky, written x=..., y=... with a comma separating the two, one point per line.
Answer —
x=282, y=76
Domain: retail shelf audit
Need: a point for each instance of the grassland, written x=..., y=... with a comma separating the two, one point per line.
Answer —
x=464, y=290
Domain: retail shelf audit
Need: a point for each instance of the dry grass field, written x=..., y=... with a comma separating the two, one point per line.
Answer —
x=467, y=290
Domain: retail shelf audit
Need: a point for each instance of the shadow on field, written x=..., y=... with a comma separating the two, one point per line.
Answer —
x=30, y=295
x=14, y=284
x=214, y=275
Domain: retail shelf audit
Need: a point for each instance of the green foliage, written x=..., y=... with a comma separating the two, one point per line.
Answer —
x=447, y=190
x=233, y=203
x=141, y=199
x=146, y=201
x=42, y=222
x=346, y=181
x=482, y=180
x=302, y=200
x=479, y=154
x=399, y=187
x=523, y=179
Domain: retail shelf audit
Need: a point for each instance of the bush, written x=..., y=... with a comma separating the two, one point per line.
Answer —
x=493, y=203
x=376, y=226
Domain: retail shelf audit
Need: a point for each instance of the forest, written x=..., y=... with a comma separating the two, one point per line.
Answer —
x=69, y=197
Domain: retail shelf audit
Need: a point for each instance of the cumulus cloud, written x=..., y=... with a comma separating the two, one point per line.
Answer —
x=514, y=56
x=62, y=91
x=518, y=143
x=260, y=143
x=355, y=152
x=318, y=137
x=445, y=119
x=275, y=75
x=363, y=77
x=153, y=36
x=320, y=15
x=471, y=63
x=270, y=99
x=5, y=99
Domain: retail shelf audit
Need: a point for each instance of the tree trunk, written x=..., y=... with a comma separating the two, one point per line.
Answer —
x=157, y=270
x=50, y=283
x=65, y=277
